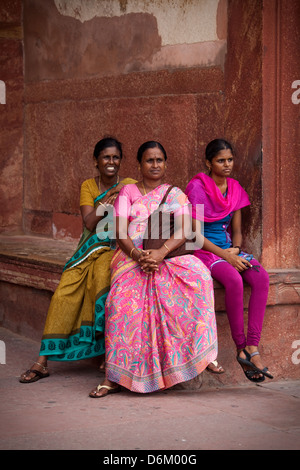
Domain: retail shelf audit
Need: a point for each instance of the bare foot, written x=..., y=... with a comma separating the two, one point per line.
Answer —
x=102, y=363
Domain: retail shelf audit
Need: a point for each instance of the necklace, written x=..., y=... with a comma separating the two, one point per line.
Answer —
x=144, y=188
x=118, y=179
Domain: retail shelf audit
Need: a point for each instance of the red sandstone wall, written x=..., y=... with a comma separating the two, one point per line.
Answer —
x=243, y=108
x=281, y=129
x=75, y=93
x=11, y=116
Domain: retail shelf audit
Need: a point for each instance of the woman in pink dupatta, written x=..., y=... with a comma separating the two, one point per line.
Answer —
x=160, y=319
x=223, y=198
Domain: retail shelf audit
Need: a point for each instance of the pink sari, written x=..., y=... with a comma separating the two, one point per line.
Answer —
x=160, y=327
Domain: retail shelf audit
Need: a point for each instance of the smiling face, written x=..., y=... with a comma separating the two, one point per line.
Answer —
x=153, y=164
x=109, y=161
x=222, y=164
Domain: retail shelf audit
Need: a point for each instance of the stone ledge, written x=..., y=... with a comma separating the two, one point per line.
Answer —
x=33, y=261
x=194, y=80
x=31, y=267
x=38, y=262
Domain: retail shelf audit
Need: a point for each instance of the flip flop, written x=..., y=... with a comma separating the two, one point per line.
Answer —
x=219, y=368
x=247, y=362
x=107, y=387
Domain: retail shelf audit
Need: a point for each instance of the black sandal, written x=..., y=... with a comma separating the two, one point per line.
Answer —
x=255, y=370
x=250, y=375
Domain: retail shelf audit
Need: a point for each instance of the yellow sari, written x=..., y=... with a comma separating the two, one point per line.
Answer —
x=75, y=321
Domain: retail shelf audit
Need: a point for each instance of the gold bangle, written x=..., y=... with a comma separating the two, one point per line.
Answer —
x=166, y=247
x=131, y=251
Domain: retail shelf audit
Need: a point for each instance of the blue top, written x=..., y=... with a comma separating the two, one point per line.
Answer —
x=217, y=233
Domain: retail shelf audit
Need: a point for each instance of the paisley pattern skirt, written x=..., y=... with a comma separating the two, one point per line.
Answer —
x=160, y=327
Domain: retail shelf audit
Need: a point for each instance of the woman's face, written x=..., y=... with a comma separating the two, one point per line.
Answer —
x=109, y=161
x=221, y=164
x=153, y=164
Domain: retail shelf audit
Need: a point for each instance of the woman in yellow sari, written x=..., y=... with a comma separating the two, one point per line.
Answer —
x=74, y=326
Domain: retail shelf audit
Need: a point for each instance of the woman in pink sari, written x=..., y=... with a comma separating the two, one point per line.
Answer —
x=160, y=319
x=223, y=198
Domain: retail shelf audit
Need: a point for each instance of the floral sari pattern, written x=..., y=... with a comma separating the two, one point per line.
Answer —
x=160, y=327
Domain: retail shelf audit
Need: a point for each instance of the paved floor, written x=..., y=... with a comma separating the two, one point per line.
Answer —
x=56, y=413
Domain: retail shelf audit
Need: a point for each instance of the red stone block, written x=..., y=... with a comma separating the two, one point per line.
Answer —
x=66, y=226
x=11, y=11
x=154, y=83
x=38, y=222
x=11, y=59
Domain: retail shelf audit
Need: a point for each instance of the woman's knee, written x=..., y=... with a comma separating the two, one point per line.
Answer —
x=258, y=276
x=228, y=276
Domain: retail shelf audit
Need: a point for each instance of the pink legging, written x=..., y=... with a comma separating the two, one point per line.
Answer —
x=232, y=281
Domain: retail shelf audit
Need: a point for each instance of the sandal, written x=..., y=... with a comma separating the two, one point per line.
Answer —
x=249, y=363
x=215, y=368
x=38, y=374
x=250, y=376
x=107, y=387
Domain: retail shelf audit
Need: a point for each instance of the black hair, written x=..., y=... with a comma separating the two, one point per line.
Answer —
x=105, y=143
x=215, y=146
x=151, y=144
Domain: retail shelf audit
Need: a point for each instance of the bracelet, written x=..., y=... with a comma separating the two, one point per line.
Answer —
x=166, y=247
x=131, y=251
x=238, y=248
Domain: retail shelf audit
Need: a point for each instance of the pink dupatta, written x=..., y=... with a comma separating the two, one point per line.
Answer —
x=203, y=190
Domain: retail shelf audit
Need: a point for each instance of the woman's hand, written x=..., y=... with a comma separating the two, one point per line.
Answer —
x=113, y=193
x=150, y=260
x=238, y=262
x=111, y=199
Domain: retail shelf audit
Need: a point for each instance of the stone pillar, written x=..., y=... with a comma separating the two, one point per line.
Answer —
x=281, y=136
